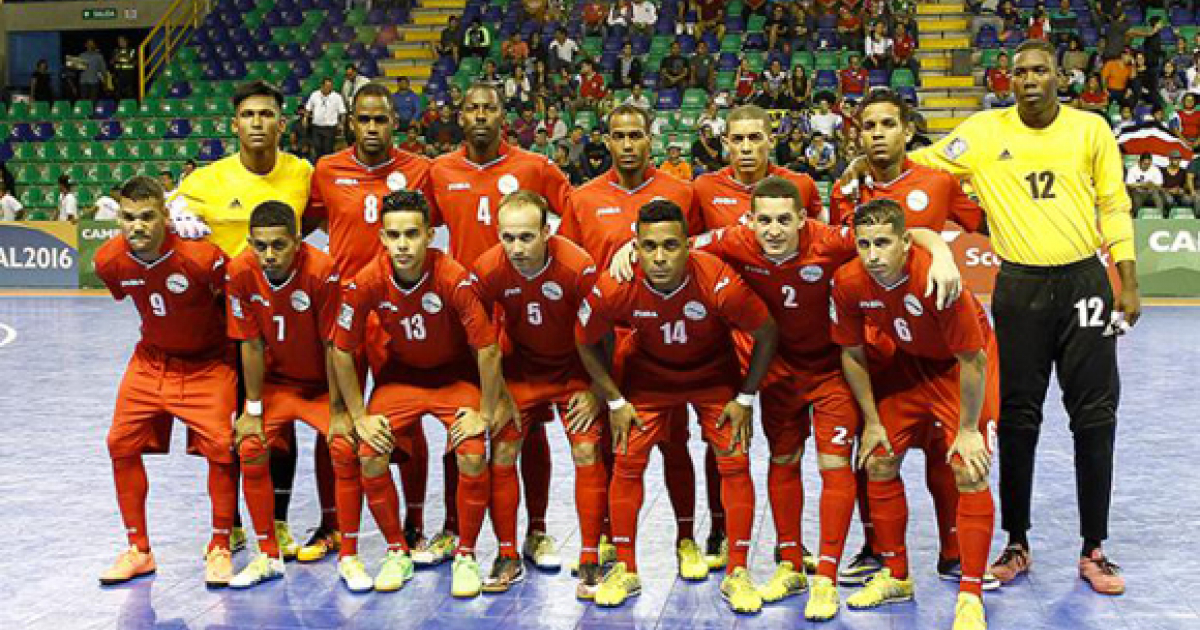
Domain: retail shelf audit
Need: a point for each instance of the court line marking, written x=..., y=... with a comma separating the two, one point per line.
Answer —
x=8, y=334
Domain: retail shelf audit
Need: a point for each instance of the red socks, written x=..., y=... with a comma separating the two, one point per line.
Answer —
x=129, y=476
x=976, y=519
x=349, y=494
x=864, y=509
x=385, y=507
x=712, y=487
x=450, y=491
x=259, y=493
x=506, y=496
x=414, y=477
x=536, y=469
x=838, y=492
x=326, y=492
x=786, y=493
x=624, y=504
x=473, y=495
x=737, y=490
x=889, y=512
x=591, y=504
x=680, y=478
x=939, y=477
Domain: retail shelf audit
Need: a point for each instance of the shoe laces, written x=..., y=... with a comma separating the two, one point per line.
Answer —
x=1010, y=553
x=861, y=557
x=1106, y=566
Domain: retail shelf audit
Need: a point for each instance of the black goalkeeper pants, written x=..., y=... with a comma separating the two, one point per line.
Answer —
x=1056, y=318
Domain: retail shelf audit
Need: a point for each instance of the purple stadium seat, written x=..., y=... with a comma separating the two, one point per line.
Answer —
x=206, y=53
x=290, y=86
x=878, y=78
x=650, y=81
x=754, y=41
x=1180, y=16
x=909, y=93
x=664, y=26
x=986, y=38
x=109, y=130
x=21, y=132
x=178, y=128
x=356, y=51
x=825, y=80
x=103, y=109
x=212, y=72
x=211, y=150
x=608, y=62
x=376, y=16
x=180, y=89
x=710, y=38
x=668, y=99
x=370, y=67
x=827, y=22
x=6, y=151
x=727, y=62
x=233, y=69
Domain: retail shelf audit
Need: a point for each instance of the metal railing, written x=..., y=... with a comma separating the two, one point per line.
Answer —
x=182, y=18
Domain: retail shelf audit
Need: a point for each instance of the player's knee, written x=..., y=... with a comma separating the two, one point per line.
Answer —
x=630, y=466
x=963, y=478
x=471, y=456
x=1093, y=418
x=732, y=464
x=826, y=461
x=505, y=453
x=584, y=453
x=373, y=467
x=883, y=468
x=252, y=452
x=787, y=457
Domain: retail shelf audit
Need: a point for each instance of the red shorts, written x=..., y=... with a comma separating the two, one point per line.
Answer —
x=157, y=388
x=795, y=405
x=919, y=403
x=663, y=422
x=404, y=403
x=284, y=404
x=538, y=403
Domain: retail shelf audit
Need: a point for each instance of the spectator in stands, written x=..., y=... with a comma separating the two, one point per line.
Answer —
x=1178, y=189
x=773, y=98
x=41, y=86
x=710, y=17
x=596, y=161
x=706, y=151
x=673, y=71
x=538, y=51
x=775, y=76
x=852, y=80
x=825, y=121
x=594, y=13
x=444, y=133
x=563, y=161
x=645, y=16
x=565, y=88
x=1170, y=85
x=325, y=113
x=92, y=76
x=525, y=128
x=517, y=91
x=703, y=70
x=904, y=48
x=449, y=42
x=1183, y=55
x=745, y=82
x=456, y=99
x=407, y=104
x=1075, y=57
x=1124, y=120
x=167, y=179
x=878, y=49
x=1144, y=83
x=712, y=119
x=629, y=69
x=125, y=69
x=562, y=51
x=591, y=88
x=1039, y=25
x=539, y=74
x=352, y=83
x=513, y=53
x=821, y=158
x=619, y=19
x=675, y=166
x=1011, y=17
x=778, y=27
x=491, y=75
x=799, y=87
x=848, y=150
x=68, y=203
x=576, y=143
x=849, y=27
x=1063, y=22
x=1186, y=121
x=1094, y=97
x=477, y=40
x=1067, y=94
x=1193, y=75
x=10, y=208
x=541, y=144
x=553, y=124
x=790, y=152
x=999, y=84
x=1144, y=182
x=1152, y=42
x=1116, y=34
x=638, y=98
x=107, y=206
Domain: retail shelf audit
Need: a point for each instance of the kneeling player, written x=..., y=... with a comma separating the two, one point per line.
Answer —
x=682, y=309
x=943, y=385
x=283, y=298
x=436, y=323
x=182, y=368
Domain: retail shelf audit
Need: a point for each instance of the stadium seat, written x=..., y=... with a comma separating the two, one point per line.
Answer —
x=124, y=172
x=19, y=111
x=903, y=77
x=179, y=128
x=110, y=130
x=1149, y=212
x=668, y=99
x=1182, y=213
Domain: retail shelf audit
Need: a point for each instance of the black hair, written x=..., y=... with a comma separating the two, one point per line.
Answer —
x=880, y=212
x=775, y=187
x=274, y=214
x=142, y=188
x=885, y=95
x=406, y=201
x=373, y=89
x=661, y=211
x=630, y=109
x=257, y=88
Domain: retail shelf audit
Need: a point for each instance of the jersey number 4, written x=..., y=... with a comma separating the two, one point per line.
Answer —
x=1041, y=184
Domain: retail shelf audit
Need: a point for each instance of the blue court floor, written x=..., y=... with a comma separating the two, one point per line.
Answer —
x=61, y=359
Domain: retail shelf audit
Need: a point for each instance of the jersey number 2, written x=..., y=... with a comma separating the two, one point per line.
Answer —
x=1041, y=184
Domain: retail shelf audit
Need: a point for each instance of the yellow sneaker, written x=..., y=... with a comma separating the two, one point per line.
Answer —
x=881, y=589
x=132, y=563
x=738, y=590
x=288, y=547
x=786, y=582
x=605, y=551
x=691, y=562
x=968, y=613
x=618, y=585
x=542, y=550
x=395, y=572
x=823, y=602
x=716, y=552
x=322, y=543
x=466, y=579
x=810, y=561
x=237, y=539
x=218, y=567
x=261, y=569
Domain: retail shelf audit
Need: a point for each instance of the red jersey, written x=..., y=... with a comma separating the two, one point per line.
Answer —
x=349, y=194
x=538, y=312
x=601, y=216
x=682, y=341
x=929, y=197
x=294, y=319
x=723, y=200
x=796, y=290
x=468, y=194
x=853, y=81
x=592, y=86
x=434, y=323
x=180, y=297
x=903, y=314
x=1189, y=124
x=999, y=80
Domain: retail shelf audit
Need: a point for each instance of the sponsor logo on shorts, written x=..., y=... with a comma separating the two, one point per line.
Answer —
x=917, y=200
x=913, y=305
x=811, y=273
x=431, y=303
x=459, y=186
x=346, y=317
x=552, y=290
x=513, y=291
x=177, y=283
x=397, y=181
x=694, y=311
x=870, y=304
x=301, y=301
x=508, y=184
x=585, y=312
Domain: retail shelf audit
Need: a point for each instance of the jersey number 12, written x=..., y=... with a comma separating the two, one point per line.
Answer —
x=1041, y=184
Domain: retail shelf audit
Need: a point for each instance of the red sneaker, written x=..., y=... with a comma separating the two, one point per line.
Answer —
x=1013, y=561
x=132, y=563
x=1104, y=576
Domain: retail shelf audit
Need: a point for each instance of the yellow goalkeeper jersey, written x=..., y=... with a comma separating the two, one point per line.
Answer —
x=1053, y=196
x=224, y=194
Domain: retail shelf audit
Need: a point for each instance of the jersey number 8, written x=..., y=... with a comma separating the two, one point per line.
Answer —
x=371, y=209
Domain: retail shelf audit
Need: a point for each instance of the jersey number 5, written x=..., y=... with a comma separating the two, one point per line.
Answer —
x=1041, y=184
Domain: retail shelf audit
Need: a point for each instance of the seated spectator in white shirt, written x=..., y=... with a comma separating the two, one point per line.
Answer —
x=68, y=203
x=1144, y=181
x=107, y=206
x=10, y=208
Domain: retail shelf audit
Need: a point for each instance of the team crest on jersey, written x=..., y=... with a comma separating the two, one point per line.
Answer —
x=917, y=200
x=811, y=273
x=913, y=305
x=301, y=301
x=956, y=148
x=346, y=317
x=431, y=303
x=396, y=181
x=552, y=290
x=508, y=184
x=177, y=283
x=694, y=311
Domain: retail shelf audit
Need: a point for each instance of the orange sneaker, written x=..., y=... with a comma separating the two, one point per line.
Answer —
x=1013, y=561
x=1104, y=576
x=218, y=567
x=131, y=564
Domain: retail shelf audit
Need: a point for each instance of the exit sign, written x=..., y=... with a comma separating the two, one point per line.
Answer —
x=99, y=14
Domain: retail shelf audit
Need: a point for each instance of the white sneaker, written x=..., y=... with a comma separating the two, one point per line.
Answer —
x=542, y=550
x=354, y=574
x=260, y=569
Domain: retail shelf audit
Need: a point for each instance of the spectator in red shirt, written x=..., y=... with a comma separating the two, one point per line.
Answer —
x=1095, y=97
x=849, y=27
x=852, y=80
x=744, y=82
x=903, y=47
x=513, y=52
x=999, y=83
x=591, y=87
x=525, y=128
x=593, y=17
x=1186, y=122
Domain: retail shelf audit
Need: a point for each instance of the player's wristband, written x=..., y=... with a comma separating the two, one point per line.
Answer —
x=614, y=405
x=746, y=400
x=254, y=407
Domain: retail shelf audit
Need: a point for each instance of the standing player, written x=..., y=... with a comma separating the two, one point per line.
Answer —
x=468, y=185
x=536, y=282
x=182, y=367
x=215, y=202
x=942, y=381
x=283, y=297
x=601, y=217
x=1050, y=180
x=427, y=304
x=930, y=198
x=682, y=309
x=348, y=188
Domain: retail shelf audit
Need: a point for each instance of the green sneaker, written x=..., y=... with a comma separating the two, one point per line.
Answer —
x=436, y=550
x=466, y=578
x=397, y=569
x=288, y=547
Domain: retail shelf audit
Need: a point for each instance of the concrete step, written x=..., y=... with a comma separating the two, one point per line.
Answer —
x=401, y=69
x=939, y=25
x=424, y=54
x=940, y=17
x=939, y=62
x=419, y=34
x=952, y=102
x=948, y=82
x=442, y=4
x=945, y=43
x=938, y=9
x=959, y=92
x=943, y=124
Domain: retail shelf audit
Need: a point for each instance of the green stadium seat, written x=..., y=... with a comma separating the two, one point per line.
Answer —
x=40, y=110
x=209, y=106
x=26, y=173
x=38, y=213
x=19, y=111
x=68, y=131
x=147, y=109
x=90, y=151
x=24, y=152
x=826, y=60
x=661, y=44
x=1182, y=213
x=123, y=172
x=366, y=35
x=726, y=80
x=756, y=24
x=1162, y=13
x=354, y=17
x=71, y=152
x=82, y=109
x=688, y=118
x=1148, y=212
x=585, y=119
x=111, y=151
x=127, y=108
x=732, y=43
x=160, y=150
x=695, y=98
x=804, y=58
x=101, y=173
x=50, y=173
x=78, y=173
x=987, y=57
x=757, y=60
x=188, y=149
x=42, y=152
x=61, y=110
x=903, y=77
